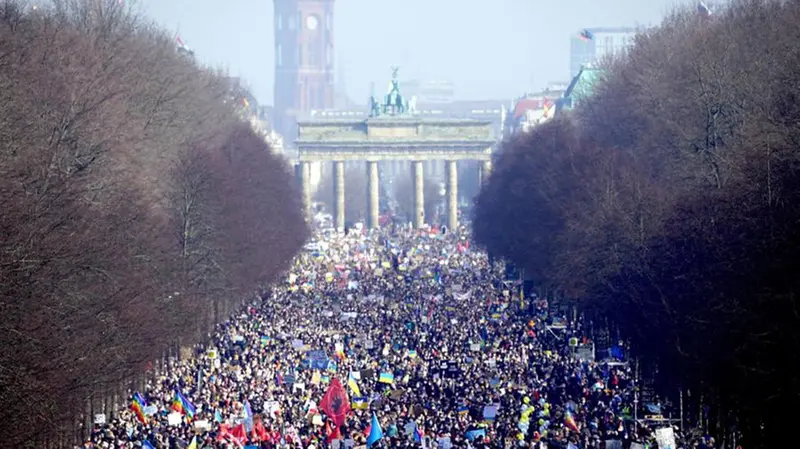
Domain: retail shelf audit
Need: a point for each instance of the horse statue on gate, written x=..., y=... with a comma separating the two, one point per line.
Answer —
x=394, y=103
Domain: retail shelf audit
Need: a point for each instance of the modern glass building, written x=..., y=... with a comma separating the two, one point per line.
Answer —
x=604, y=41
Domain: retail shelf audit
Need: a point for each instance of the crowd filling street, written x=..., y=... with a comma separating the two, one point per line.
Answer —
x=398, y=338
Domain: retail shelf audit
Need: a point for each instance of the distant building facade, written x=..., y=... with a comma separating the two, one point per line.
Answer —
x=604, y=42
x=259, y=117
x=430, y=92
x=580, y=88
x=532, y=109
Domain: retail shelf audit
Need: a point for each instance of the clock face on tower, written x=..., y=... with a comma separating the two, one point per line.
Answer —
x=312, y=22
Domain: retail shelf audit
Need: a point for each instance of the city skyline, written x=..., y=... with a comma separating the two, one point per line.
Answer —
x=502, y=59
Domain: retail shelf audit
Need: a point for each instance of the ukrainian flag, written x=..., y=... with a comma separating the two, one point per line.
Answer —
x=386, y=378
x=360, y=403
x=351, y=382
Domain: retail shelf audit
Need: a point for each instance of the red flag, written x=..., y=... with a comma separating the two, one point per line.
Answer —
x=239, y=433
x=223, y=431
x=335, y=403
x=332, y=432
x=259, y=432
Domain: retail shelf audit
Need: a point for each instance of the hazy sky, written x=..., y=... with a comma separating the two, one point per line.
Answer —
x=489, y=49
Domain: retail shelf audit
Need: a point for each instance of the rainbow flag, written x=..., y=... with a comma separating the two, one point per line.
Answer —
x=569, y=421
x=137, y=405
x=182, y=405
x=339, y=351
x=140, y=399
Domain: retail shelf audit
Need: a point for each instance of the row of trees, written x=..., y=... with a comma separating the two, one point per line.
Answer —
x=668, y=203
x=137, y=208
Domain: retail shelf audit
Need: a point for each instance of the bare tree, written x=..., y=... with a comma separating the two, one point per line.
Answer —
x=132, y=197
x=666, y=203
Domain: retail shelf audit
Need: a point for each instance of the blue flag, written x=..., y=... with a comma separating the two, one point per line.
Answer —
x=375, y=431
x=248, y=416
x=473, y=434
x=140, y=399
x=146, y=445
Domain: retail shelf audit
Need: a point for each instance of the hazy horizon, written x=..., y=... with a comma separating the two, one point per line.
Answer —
x=488, y=52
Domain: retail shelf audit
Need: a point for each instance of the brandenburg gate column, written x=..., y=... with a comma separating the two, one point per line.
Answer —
x=305, y=185
x=419, y=194
x=451, y=171
x=338, y=191
x=373, y=196
x=486, y=171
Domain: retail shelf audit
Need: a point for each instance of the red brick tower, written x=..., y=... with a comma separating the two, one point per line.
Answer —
x=304, y=66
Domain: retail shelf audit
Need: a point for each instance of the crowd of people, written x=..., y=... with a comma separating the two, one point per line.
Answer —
x=412, y=331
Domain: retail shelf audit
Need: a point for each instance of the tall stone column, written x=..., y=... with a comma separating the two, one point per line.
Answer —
x=419, y=194
x=486, y=171
x=338, y=192
x=373, y=194
x=305, y=183
x=451, y=170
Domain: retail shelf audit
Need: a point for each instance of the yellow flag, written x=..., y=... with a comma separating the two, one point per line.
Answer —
x=193, y=444
x=351, y=382
x=353, y=386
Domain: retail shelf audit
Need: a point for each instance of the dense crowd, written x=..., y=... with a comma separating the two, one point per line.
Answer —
x=411, y=330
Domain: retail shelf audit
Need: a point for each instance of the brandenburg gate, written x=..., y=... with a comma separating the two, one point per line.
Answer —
x=391, y=132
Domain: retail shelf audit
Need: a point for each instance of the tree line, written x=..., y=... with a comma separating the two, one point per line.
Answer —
x=138, y=209
x=667, y=204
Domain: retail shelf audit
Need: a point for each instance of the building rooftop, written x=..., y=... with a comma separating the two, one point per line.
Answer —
x=602, y=30
x=581, y=86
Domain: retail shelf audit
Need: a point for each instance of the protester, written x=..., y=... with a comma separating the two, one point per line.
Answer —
x=412, y=330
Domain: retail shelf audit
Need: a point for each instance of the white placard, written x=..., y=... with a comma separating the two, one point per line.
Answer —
x=272, y=406
x=665, y=437
x=100, y=418
x=174, y=419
